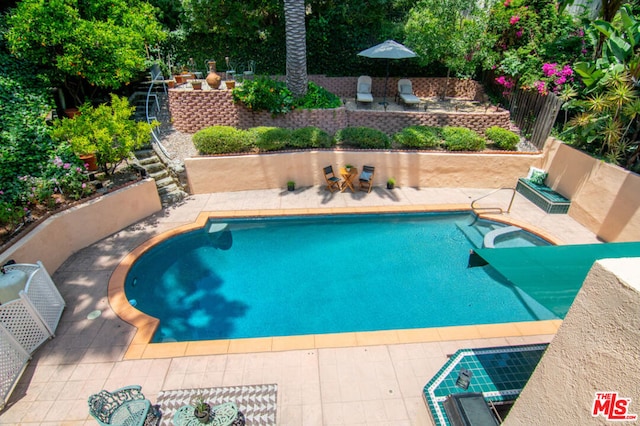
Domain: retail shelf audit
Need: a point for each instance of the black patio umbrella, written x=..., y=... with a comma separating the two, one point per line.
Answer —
x=388, y=50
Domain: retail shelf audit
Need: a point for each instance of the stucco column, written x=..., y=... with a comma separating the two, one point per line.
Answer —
x=597, y=349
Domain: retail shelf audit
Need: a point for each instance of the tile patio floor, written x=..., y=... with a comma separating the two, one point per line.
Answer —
x=363, y=385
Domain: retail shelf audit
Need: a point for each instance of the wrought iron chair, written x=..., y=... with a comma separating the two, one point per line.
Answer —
x=366, y=177
x=124, y=406
x=333, y=182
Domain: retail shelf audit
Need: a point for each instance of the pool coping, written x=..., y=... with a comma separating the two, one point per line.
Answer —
x=141, y=348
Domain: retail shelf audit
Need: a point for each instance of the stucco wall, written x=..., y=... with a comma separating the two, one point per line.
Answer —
x=604, y=198
x=64, y=233
x=595, y=350
x=419, y=169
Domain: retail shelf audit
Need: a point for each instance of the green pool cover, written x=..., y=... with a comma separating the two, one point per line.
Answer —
x=553, y=274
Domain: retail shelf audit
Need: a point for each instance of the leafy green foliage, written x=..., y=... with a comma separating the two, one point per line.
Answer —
x=462, y=139
x=311, y=137
x=269, y=138
x=362, y=137
x=318, y=97
x=265, y=94
x=99, y=43
x=106, y=130
x=418, y=137
x=447, y=31
x=505, y=139
x=607, y=123
x=221, y=140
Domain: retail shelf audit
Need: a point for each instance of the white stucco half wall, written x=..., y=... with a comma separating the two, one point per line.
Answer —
x=597, y=349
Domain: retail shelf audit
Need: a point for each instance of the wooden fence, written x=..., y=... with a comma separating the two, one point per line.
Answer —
x=534, y=114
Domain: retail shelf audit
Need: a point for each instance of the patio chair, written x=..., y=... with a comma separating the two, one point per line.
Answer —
x=333, y=182
x=124, y=406
x=405, y=93
x=366, y=178
x=363, y=92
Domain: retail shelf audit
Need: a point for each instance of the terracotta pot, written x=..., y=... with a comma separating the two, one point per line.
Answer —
x=171, y=84
x=230, y=84
x=197, y=85
x=90, y=160
x=71, y=112
x=213, y=79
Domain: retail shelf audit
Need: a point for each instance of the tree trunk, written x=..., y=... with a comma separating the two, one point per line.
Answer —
x=294, y=13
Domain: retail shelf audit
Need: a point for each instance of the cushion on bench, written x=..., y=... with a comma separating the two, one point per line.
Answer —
x=543, y=196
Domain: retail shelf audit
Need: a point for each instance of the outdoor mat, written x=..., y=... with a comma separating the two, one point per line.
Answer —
x=258, y=403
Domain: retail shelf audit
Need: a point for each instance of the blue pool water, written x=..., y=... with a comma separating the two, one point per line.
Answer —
x=329, y=274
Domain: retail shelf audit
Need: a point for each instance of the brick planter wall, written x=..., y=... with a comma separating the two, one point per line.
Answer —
x=195, y=110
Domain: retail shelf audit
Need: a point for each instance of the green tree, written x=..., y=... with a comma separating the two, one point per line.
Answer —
x=85, y=45
x=296, y=35
x=448, y=32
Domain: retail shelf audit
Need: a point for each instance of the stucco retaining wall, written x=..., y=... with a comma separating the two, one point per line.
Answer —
x=64, y=233
x=419, y=169
x=604, y=198
x=595, y=350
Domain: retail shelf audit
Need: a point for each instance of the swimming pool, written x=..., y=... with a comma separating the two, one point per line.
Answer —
x=282, y=276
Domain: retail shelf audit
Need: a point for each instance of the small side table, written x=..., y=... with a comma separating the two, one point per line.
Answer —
x=226, y=414
x=348, y=177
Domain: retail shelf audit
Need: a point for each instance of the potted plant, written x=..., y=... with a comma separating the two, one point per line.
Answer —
x=291, y=185
x=106, y=131
x=391, y=183
x=201, y=409
x=196, y=84
x=348, y=167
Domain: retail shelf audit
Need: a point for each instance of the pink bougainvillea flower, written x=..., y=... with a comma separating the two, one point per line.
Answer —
x=507, y=3
x=519, y=33
x=84, y=185
x=567, y=71
x=66, y=166
x=561, y=80
x=549, y=69
x=541, y=86
x=514, y=19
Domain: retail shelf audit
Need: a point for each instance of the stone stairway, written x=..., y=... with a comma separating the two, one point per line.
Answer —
x=169, y=187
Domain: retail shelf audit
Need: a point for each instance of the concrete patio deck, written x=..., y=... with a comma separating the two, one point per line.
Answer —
x=340, y=385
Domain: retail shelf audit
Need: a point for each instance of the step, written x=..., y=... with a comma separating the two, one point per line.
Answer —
x=149, y=160
x=173, y=197
x=165, y=182
x=154, y=167
x=145, y=153
x=160, y=174
x=168, y=189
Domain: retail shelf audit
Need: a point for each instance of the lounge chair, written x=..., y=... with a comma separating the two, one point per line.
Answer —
x=333, y=182
x=405, y=92
x=126, y=405
x=363, y=92
x=366, y=178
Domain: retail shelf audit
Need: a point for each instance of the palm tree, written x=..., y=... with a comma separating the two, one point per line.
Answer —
x=294, y=13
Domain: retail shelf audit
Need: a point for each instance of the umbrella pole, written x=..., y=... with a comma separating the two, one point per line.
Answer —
x=384, y=99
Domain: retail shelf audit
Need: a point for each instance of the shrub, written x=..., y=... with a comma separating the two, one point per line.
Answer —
x=318, y=97
x=418, y=137
x=462, y=139
x=311, y=137
x=505, y=139
x=106, y=130
x=269, y=138
x=221, y=140
x=264, y=94
x=362, y=137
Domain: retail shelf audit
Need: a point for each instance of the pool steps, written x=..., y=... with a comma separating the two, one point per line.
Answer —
x=476, y=229
x=490, y=237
